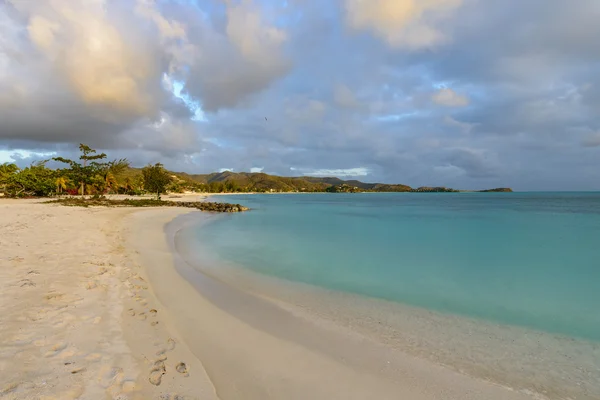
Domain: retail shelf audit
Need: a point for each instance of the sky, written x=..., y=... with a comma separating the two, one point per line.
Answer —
x=461, y=93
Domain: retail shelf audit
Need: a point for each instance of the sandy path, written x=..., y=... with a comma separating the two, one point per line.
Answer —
x=78, y=319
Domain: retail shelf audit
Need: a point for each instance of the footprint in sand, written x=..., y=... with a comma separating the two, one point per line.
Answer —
x=64, y=319
x=56, y=349
x=91, y=285
x=110, y=377
x=57, y=297
x=141, y=316
x=11, y=387
x=93, y=357
x=173, y=396
x=54, y=296
x=22, y=339
x=182, y=369
x=171, y=344
x=131, y=312
x=27, y=282
x=157, y=372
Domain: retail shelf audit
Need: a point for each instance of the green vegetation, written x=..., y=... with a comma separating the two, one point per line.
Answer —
x=92, y=175
x=500, y=190
x=231, y=182
x=35, y=180
x=97, y=175
x=427, y=189
x=101, y=201
x=156, y=179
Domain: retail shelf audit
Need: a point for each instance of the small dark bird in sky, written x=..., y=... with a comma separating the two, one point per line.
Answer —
x=266, y=119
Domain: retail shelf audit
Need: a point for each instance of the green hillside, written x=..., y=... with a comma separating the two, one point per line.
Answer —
x=227, y=181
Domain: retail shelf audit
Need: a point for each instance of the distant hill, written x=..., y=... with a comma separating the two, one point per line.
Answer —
x=227, y=181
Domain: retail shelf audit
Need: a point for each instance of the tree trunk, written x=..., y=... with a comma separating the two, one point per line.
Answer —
x=82, y=184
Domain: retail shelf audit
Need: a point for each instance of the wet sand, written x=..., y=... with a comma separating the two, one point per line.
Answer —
x=254, y=348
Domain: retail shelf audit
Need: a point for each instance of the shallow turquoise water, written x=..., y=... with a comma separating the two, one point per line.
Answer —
x=530, y=259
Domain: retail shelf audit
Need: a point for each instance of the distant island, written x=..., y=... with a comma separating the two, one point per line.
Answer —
x=250, y=182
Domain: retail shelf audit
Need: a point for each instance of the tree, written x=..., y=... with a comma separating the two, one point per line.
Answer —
x=61, y=184
x=156, y=179
x=35, y=180
x=6, y=171
x=84, y=173
x=112, y=171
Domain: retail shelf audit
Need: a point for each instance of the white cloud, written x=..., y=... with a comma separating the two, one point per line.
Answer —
x=10, y=156
x=342, y=172
x=88, y=50
x=409, y=24
x=449, y=98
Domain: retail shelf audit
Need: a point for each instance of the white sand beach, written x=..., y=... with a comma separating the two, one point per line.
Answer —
x=79, y=320
x=95, y=306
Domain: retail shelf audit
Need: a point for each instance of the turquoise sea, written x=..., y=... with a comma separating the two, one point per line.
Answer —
x=524, y=259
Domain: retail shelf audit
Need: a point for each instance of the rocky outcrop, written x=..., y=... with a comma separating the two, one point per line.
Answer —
x=426, y=189
x=502, y=190
x=209, y=206
x=104, y=202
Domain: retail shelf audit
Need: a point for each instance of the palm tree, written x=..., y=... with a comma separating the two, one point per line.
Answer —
x=128, y=185
x=61, y=184
x=109, y=181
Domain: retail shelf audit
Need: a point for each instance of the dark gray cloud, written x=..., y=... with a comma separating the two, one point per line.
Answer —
x=488, y=94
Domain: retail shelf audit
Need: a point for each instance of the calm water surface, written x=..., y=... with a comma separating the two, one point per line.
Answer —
x=529, y=259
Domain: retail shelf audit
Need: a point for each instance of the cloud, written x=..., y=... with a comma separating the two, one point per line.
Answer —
x=323, y=87
x=592, y=140
x=464, y=127
x=411, y=24
x=344, y=97
x=449, y=98
x=342, y=172
x=101, y=65
x=105, y=72
x=476, y=163
x=243, y=60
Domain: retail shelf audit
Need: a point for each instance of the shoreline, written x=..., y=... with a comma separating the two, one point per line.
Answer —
x=249, y=341
x=104, y=303
x=528, y=361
